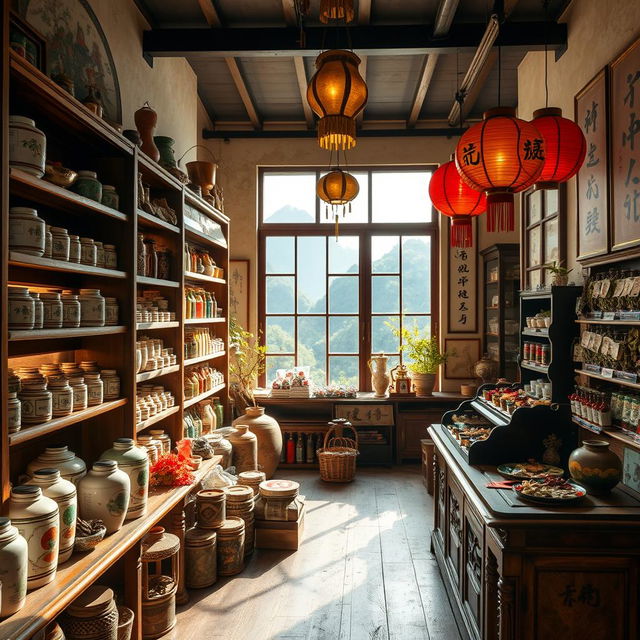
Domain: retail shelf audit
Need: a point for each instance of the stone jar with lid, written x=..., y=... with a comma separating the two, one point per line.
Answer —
x=230, y=546
x=70, y=310
x=88, y=252
x=80, y=392
x=88, y=185
x=51, y=310
x=14, y=563
x=110, y=196
x=92, y=311
x=64, y=494
x=134, y=461
x=36, y=402
x=75, y=251
x=245, y=448
x=110, y=256
x=27, y=146
x=21, y=308
x=26, y=231
x=103, y=494
x=95, y=389
x=111, y=382
x=240, y=502
x=200, y=558
x=99, y=253
x=60, y=243
x=91, y=616
x=61, y=395
x=36, y=518
x=38, y=308
x=14, y=412
x=70, y=466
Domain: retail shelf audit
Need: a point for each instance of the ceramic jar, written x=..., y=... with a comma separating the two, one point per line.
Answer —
x=110, y=257
x=92, y=616
x=95, y=389
x=74, y=249
x=595, y=466
x=88, y=252
x=14, y=412
x=252, y=479
x=27, y=146
x=21, y=308
x=159, y=434
x=71, y=467
x=38, y=309
x=61, y=244
x=36, y=518
x=63, y=493
x=245, y=448
x=51, y=310
x=13, y=381
x=70, y=310
x=111, y=382
x=221, y=447
x=146, y=119
x=92, y=306
x=147, y=442
x=111, y=310
x=48, y=241
x=269, y=437
x=88, y=185
x=240, y=502
x=14, y=563
x=110, y=197
x=61, y=395
x=26, y=231
x=210, y=508
x=103, y=494
x=230, y=547
x=80, y=393
x=99, y=254
x=134, y=461
x=278, y=501
x=200, y=558
x=36, y=402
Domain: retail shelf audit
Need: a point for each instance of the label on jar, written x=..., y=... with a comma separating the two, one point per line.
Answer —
x=60, y=248
x=26, y=234
x=111, y=314
x=21, y=314
x=94, y=393
x=36, y=408
x=62, y=401
x=111, y=387
x=92, y=312
x=88, y=254
x=79, y=397
x=71, y=314
x=52, y=314
x=110, y=260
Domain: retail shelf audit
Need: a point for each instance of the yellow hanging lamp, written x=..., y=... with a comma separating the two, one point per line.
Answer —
x=336, y=10
x=337, y=189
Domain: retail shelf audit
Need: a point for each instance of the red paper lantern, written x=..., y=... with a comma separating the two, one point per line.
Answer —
x=564, y=147
x=500, y=155
x=452, y=197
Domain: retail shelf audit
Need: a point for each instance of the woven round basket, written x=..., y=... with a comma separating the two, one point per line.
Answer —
x=337, y=457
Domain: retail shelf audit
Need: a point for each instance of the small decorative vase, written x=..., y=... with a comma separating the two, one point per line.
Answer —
x=165, y=148
x=103, y=494
x=423, y=383
x=379, y=375
x=71, y=467
x=245, y=448
x=91, y=616
x=14, y=562
x=27, y=146
x=267, y=430
x=146, y=120
x=595, y=467
x=485, y=368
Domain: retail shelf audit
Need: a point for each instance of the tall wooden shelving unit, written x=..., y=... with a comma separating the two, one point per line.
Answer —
x=81, y=140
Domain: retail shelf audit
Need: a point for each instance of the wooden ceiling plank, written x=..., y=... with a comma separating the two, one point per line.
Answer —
x=210, y=13
x=238, y=80
x=289, y=10
x=301, y=75
x=364, y=11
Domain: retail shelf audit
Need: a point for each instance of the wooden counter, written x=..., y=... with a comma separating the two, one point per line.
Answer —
x=515, y=571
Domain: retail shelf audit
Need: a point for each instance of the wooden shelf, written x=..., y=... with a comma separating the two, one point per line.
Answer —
x=18, y=259
x=53, y=334
x=148, y=326
x=35, y=431
x=597, y=376
x=620, y=323
x=157, y=418
x=204, y=207
x=535, y=367
x=204, y=320
x=203, y=396
x=150, y=220
x=200, y=277
x=157, y=373
x=212, y=356
x=157, y=282
x=156, y=175
x=614, y=434
x=543, y=333
x=201, y=237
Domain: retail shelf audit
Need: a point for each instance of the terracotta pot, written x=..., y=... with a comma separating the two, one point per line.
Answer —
x=203, y=174
x=146, y=120
x=269, y=437
x=468, y=390
x=245, y=448
x=423, y=383
x=595, y=467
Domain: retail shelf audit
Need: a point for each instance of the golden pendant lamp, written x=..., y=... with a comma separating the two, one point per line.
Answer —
x=336, y=10
x=337, y=93
x=337, y=188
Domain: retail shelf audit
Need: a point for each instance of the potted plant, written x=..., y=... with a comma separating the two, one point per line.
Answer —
x=560, y=275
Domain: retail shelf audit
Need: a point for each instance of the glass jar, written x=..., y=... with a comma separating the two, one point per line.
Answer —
x=38, y=309
x=21, y=308
x=26, y=231
x=111, y=312
x=70, y=310
x=88, y=252
x=87, y=185
x=110, y=257
x=92, y=308
x=99, y=254
x=14, y=406
x=36, y=402
x=74, y=249
x=95, y=389
x=60, y=244
x=62, y=395
x=110, y=196
x=51, y=311
x=111, y=382
x=80, y=400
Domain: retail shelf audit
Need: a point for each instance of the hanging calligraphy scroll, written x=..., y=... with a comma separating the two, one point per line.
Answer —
x=463, y=286
x=625, y=148
x=593, y=222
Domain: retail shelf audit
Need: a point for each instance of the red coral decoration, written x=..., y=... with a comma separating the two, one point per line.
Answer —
x=172, y=471
x=184, y=449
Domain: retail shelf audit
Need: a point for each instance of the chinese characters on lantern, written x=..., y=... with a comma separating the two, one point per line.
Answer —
x=462, y=289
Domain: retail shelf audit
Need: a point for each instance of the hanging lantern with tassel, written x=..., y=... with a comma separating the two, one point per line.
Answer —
x=452, y=197
x=501, y=155
x=337, y=189
x=337, y=93
x=336, y=10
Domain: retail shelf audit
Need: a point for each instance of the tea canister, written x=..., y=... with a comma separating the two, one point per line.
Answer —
x=26, y=231
x=252, y=479
x=36, y=402
x=61, y=395
x=70, y=466
x=110, y=257
x=87, y=185
x=14, y=406
x=230, y=546
x=159, y=434
x=21, y=308
x=111, y=382
x=278, y=500
x=134, y=461
x=27, y=146
x=146, y=442
x=61, y=243
x=71, y=369
x=95, y=389
x=38, y=308
x=240, y=502
x=200, y=558
x=91, y=616
x=51, y=310
x=63, y=493
x=111, y=310
x=103, y=494
x=74, y=249
x=89, y=366
x=99, y=254
x=210, y=508
x=13, y=381
x=110, y=197
x=88, y=252
x=92, y=308
x=70, y=310
x=14, y=563
x=48, y=241
x=80, y=395
x=36, y=518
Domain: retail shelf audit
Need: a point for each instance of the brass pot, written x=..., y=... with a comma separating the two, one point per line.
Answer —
x=203, y=174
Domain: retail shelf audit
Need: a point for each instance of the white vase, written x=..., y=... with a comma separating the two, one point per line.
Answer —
x=36, y=518
x=103, y=494
x=14, y=562
x=27, y=146
x=64, y=494
x=379, y=375
x=70, y=466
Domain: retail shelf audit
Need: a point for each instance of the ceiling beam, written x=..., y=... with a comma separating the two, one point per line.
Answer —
x=363, y=73
x=210, y=13
x=366, y=40
x=289, y=10
x=448, y=132
x=301, y=75
x=238, y=80
x=364, y=11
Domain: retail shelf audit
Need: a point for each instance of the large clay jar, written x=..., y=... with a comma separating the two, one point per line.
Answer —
x=269, y=436
x=423, y=383
x=134, y=461
x=146, y=120
x=595, y=467
x=14, y=562
x=245, y=448
x=36, y=518
x=63, y=493
x=103, y=494
x=379, y=375
x=70, y=466
x=91, y=616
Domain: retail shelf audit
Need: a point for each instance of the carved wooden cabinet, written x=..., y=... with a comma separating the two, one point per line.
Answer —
x=412, y=421
x=518, y=572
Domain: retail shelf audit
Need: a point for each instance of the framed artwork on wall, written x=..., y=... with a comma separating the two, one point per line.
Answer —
x=465, y=352
x=239, y=292
x=463, y=285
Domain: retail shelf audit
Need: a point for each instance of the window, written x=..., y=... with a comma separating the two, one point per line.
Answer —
x=327, y=303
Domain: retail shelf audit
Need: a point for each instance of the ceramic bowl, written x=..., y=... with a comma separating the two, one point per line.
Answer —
x=89, y=543
x=195, y=462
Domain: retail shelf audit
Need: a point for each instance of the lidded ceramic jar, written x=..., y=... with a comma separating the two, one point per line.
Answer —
x=111, y=382
x=70, y=466
x=74, y=249
x=88, y=252
x=252, y=479
x=111, y=310
x=200, y=558
x=27, y=146
x=91, y=308
x=245, y=448
x=21, y=308
x=62, y=395
x=103, y=494
x=159, y=434
x=38, y=308
x=110, y=197
x=278, y=500
x=110, y=257
x=134, y=461
x=80, y=393
x=51, y=310
x=230, y=548
x=26, y=231
x=14, y=411
x=91, y=616
x=14, y=563
x=70, y=310
x=211, y=508
x=48, y=242
x=88, y=185
x=147, y=442
x=36, y=518
x=63, y=493
x=240, y=502
x=99, y=254
x=36, y=402
x=95, y=389
x=60, y=243
x=13, y=381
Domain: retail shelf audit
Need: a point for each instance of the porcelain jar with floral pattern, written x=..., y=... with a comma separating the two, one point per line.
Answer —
x=26, y=231
x=27, y=146
x=14, y=562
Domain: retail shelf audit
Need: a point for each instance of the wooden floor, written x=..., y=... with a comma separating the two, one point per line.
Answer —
x=364, y=571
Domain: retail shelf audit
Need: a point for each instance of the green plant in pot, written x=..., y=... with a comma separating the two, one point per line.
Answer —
x=560, y=275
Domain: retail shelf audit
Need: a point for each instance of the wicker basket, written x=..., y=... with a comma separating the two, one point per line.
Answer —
x=337, y=457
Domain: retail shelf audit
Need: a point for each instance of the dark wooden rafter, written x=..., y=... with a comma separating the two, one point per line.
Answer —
x=210, y=13
x=364, y=17
x=289, y=10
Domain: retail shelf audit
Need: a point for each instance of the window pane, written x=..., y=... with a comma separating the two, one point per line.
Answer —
x=280, y=334
x=277, y=362
x=416, y=274
x=289, y=197
x=400, y=196
x=280, y=254
x=382, y=338
x=359, y=205
x=392, y=362
x=344, y=254
x=385, y=294
x=385, y=254
x=280, y=294
x=312, y=258
x=312, y=346
x=343, y=334
x=343, y=294
x=344, y=370
x=423, y=323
